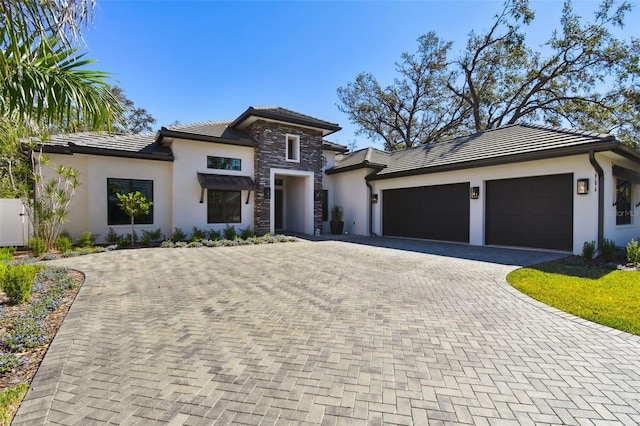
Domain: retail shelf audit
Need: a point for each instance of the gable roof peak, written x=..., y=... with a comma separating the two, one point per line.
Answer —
x=283, y=115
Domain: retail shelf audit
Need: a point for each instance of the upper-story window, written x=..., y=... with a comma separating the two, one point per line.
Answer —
x=293, y=148
x=224, y=163
x=623, y=202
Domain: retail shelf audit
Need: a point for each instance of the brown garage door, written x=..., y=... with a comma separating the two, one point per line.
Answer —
x=431, y=212
x=530, y=212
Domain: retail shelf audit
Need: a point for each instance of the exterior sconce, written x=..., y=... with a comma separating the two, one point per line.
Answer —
x=267, y=193
x=475, y=192
x=317, y=195
x=374, y=198
x=583, y=186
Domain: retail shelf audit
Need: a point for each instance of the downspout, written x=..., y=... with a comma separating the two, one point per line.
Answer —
x=600, y=172
x=371, y=233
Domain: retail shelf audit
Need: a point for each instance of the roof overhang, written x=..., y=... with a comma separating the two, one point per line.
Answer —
x=610, y=144
x=627, y=174
x=165, y=137
x=366, y=165
x=224, y=183
x=75, y=149
x=252, y=115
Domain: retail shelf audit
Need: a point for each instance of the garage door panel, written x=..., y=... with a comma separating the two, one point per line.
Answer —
x=431, y=212
x=530, y=212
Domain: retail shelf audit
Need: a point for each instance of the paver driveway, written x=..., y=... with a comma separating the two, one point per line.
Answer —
x=325, y=332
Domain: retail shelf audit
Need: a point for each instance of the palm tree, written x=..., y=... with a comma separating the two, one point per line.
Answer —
x=45, y=86
x=43, y=76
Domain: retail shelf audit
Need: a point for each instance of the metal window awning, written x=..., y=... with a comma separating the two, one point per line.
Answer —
x=627, y=174
x=224, y=183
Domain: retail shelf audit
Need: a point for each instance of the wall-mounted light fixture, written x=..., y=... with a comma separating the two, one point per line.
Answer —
x=583, y=186
x=267, y=193
x=374, y=198
x=317, y=195
x=475, y=192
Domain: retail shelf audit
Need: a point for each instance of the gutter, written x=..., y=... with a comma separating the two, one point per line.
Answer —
x=371, y=233
x=600, y=172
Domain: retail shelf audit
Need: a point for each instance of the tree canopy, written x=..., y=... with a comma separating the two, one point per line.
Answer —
x=133, y=119
x=583, y=77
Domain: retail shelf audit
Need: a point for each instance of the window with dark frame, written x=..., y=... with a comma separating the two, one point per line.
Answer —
x=224, y=163
x=325, y=205
x=623, y=202
x=115, y=215
x=224, y=206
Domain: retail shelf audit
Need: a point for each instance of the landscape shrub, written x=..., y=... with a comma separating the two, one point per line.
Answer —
x=633, y=252
x=178, y=235
x=38, y=246
x=167, y=244
x=64, y=243
x=214, y=235
x=6, y=253
x=86, y=239
x=18, y=282
x=229, y=232
x=112, y=237
x=246, y=233
x=198, y=234
x=608, y=250
x=3, y=271
x=149, y=237
x=588, y=250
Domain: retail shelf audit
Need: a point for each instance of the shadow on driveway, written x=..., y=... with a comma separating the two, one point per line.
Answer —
x=499, y=255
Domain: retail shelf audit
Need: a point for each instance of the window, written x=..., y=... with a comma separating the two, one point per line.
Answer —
x=293, y=148
x=623, y=202
x=223, y=206
x=325, y=205
x=123, y=186
x=224, y=163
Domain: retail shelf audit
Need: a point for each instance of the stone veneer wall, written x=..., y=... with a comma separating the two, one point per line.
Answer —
x=271, y=153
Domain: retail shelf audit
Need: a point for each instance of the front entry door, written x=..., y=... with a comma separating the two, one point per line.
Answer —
x=278, y=212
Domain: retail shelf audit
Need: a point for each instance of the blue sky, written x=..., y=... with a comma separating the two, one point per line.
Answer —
x=209, y=60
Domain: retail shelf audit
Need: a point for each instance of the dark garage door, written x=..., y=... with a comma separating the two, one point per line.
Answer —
x=431, y=212
x=530, y=212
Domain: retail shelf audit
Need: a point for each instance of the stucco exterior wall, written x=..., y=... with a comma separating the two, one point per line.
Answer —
x=191, y=159
x=88, y=209
x=351, y=192
x=585, y=206
x=621, y=234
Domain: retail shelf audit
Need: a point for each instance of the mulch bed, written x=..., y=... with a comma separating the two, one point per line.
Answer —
x=26, y=372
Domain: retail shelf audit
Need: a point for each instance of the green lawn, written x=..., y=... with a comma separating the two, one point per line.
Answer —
x=10, y=400
x=604, y=296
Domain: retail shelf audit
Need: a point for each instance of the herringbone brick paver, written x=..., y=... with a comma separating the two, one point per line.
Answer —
x=328, y=333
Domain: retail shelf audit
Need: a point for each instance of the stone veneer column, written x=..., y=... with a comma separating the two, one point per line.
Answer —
x=271, y=153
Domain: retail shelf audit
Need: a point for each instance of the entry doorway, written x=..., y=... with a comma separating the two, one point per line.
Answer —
x=279, y=209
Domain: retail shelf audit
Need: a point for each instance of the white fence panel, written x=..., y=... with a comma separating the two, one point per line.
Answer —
x=15, y=227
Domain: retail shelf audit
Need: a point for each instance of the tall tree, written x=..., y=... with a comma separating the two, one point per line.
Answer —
x=134, y=119
x=45, y=85
x=584, y=77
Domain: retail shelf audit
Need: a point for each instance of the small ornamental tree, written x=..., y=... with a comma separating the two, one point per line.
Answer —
x=134, y=204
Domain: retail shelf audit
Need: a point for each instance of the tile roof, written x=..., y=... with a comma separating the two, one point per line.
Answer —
x=500, y=145
x=332, y=146
x=218, y=129
x=286, y=115
x=139, y=145
x=366, y=157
